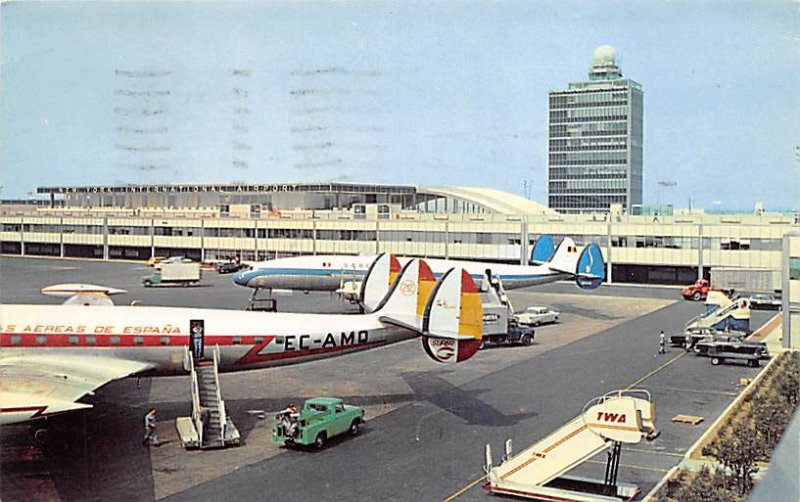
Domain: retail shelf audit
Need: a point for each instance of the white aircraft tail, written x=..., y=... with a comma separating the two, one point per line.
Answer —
x=565, y=259
x=452, y=326
x=446, y=312
x=378, y=281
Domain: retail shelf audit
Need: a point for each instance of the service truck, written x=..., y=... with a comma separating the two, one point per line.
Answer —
x=499, y=325
x=183, y=274
x=321, y=419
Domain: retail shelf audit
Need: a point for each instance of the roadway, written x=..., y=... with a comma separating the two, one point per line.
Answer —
x=427, y=441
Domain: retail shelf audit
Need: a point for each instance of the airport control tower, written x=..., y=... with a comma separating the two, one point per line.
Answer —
x=595, y=140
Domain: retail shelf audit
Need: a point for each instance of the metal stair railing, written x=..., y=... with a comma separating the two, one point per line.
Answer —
x=222, y=415
x=196, y=418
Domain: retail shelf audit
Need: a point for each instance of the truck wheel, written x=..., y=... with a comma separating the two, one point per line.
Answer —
x=697, y=296
x=354, y=427
x=526, y=340
x=715, y=361
x=319, y=443
x=535, y=323
x=148, y=283
x=754, y=363
x=185, y=284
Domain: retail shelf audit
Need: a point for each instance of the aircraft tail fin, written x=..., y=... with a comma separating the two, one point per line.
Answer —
x=378, y=281
x=565, y=258
x=452, y=325
x=590, y=271
x=405, y=302
x=543, y=250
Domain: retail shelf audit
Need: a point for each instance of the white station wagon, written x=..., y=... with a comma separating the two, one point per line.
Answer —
x=534, y=316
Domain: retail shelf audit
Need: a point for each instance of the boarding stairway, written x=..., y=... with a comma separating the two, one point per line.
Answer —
x=722, y=313
x=218, y=431
x=606, y=422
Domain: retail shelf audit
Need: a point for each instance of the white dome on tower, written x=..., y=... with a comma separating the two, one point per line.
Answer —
x=604, y=56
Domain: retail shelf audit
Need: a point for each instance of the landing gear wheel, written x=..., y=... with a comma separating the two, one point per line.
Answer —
x=715, y=361
x=354, y=428
x=319, y=442
x=526, y=340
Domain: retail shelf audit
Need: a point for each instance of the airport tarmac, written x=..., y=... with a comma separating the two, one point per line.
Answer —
x=427, y=423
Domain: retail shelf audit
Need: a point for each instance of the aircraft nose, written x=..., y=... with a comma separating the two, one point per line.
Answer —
x=241, y=278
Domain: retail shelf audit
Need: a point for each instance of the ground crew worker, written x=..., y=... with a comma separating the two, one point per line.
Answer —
x=662, y=341
x=291, y=419
x=150, y=435
x=688, y=341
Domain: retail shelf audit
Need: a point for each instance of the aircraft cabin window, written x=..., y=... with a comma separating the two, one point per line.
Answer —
x=41, y=339
x=164, y=340
x=73, y=340
x=237, y=340
x=91, y=340
x=138, y=340
x=279, y=340
x=15, y=339
x=258, y=339
x=114, y=340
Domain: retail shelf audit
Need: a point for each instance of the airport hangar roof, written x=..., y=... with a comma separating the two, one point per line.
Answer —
x=494, y=201
x=491, y=200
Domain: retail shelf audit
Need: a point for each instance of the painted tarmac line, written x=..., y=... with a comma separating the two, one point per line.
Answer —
x=637, y=382
x=634, y=384
x=699, y=391
x=651, y=452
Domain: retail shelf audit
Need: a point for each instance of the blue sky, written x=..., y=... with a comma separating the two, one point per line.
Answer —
x=453, y=93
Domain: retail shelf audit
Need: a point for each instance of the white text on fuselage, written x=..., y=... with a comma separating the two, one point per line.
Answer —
x=331, y=340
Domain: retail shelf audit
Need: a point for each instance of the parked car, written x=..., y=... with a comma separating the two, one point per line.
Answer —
x=155, y=260
x=228, y=267
x=321, y=419
x=697, y=291
x=534, y=316
x=765, y=302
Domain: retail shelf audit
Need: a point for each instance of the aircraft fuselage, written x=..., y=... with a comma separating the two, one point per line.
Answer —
x=159, y=335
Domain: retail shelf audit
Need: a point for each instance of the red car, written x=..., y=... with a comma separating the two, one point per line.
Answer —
x=697, y=291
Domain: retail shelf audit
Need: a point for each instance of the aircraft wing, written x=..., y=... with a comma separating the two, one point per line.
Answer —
x=37, y=386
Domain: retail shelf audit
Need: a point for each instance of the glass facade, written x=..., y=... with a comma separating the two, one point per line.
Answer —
x=595, y=144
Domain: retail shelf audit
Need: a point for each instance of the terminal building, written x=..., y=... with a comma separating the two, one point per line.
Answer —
x=595, y=140
x=262, y=221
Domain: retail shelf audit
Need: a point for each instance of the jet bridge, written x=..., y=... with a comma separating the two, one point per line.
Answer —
x=623, y=416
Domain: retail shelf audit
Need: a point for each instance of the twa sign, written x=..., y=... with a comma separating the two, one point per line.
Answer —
x=614, y=418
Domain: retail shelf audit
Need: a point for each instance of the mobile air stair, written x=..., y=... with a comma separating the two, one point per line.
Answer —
x=624, y=416
x=219, y=430
x=723, y=313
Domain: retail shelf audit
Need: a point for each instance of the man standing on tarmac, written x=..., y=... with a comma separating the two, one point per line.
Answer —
x=150, y=436
x=662, y=341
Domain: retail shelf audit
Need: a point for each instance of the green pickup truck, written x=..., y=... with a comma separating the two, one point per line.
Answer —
x=321, y=419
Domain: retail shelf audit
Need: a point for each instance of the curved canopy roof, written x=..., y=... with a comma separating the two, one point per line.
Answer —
x=493, y=201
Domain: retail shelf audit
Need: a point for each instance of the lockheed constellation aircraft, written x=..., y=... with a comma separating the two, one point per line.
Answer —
x=52, y=356
x=343, y=274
